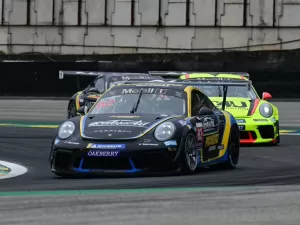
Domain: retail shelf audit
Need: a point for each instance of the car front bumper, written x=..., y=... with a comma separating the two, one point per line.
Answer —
x=258, y=131
x=67, y=161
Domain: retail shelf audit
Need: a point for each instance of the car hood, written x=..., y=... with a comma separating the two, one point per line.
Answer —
x=121, y=126
x=238, y=107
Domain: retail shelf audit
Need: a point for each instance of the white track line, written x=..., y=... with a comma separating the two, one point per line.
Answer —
x=15, y=170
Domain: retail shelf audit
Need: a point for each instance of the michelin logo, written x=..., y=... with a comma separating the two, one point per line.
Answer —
x=108, y=146
x=171, y=143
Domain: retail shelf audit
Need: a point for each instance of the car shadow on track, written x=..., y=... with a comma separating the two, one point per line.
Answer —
x=199, y=172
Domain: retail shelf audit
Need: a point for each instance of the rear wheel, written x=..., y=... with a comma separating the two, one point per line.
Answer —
x=189, y=154
x=72, y=112
x=278, y=134
x=233, y=149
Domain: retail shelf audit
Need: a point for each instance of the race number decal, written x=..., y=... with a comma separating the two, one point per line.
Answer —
x=199, y=131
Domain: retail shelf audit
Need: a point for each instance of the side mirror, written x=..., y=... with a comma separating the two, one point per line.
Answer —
x=205, y=111
x=266, y=96
x=82, y=110
x=93, y=89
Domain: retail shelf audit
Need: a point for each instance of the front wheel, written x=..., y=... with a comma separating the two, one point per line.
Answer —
x=233, y=149
x=189, y=154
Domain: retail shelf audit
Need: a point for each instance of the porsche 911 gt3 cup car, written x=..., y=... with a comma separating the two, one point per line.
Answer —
x=102, y=82
x=140, y=127
x=258, y=119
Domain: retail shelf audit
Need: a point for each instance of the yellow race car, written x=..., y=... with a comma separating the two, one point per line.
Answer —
x=257, y=118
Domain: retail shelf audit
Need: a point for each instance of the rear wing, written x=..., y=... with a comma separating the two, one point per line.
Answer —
x=177, y=74
x=63, y=73
x=220, y=83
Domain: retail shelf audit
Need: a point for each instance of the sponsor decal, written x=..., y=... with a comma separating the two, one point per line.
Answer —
x=4, y=170
x=199, y=131
x=127, y=117
x=144, y=90
x=98, y=153
x=220, y=147
x=260, y=120
x=148, y=144
x=182, y=122
x=171, y=143
x=158, y=85
x=232, y=104
x=240, y=121
x=112, y=131
x=108, y=146
x=135, y=77
x=208, y=124
x=212, y=140
x=212, y=148
x=242, y=127
x=72, y=141
x=127, y=123
x=103, y=103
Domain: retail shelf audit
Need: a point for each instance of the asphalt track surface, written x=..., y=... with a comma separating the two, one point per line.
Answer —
x=258, y=167
x=53, y=111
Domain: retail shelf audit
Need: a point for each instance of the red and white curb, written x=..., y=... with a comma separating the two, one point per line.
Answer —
x=9, y=170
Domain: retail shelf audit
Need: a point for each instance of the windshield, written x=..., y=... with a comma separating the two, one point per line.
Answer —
x=232, y=91
x=152, y=101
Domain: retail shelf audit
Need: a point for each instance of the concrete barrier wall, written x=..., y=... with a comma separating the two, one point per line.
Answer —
x=147, y=26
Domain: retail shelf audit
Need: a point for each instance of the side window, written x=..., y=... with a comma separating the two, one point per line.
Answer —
x=197, y=100
x=208, y=103
x=99, y=84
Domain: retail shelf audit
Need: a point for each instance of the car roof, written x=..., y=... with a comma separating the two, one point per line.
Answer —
x=239, y=76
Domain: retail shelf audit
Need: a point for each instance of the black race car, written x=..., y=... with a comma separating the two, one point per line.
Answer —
x=102, y=82
x=141, y=127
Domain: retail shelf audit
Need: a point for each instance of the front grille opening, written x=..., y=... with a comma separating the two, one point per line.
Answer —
x=106, y=163
x=77, y=162
x=152, y=161
x=266, y=131
x=62, y=160
x=248, y=135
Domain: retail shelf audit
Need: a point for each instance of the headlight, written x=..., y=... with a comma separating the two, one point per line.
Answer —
x=66, y=130
x=266, y=110
x=164, y=131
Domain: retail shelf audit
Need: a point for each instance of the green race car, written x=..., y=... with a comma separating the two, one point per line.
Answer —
x=257, y=118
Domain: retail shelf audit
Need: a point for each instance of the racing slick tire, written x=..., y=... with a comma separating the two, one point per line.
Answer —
x=278, y=135
x=233, y=149
x=188, y=154
x=72, y=112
